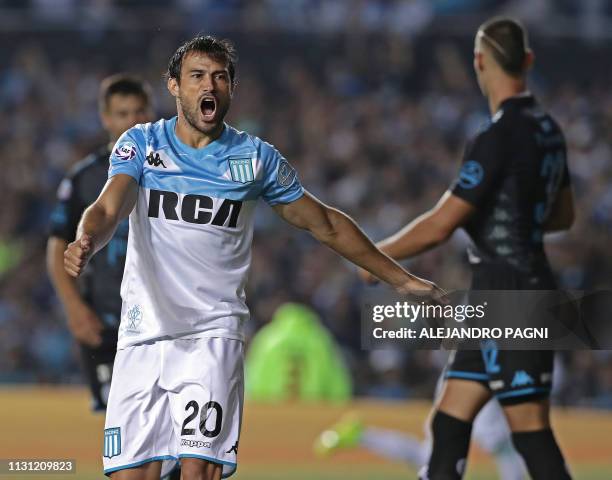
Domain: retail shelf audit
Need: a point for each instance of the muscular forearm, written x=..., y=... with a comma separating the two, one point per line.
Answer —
x=65, y=285
x=100, y=220
x=345, y=237
x=81, y=320
x=99, y=225
x=417, y=237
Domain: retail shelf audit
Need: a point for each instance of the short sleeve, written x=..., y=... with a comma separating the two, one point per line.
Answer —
x=67, y=211
x=128, y=154
x=280, y=183
x=482, y=166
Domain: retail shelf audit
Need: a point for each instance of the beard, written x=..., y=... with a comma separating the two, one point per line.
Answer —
x=193, y=114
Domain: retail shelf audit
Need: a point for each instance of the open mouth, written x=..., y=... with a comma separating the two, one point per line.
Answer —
x=208, y=106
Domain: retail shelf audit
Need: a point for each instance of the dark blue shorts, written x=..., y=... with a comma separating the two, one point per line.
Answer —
x=512, y=376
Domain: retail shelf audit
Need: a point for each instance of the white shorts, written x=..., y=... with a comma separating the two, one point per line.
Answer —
x=172, y=399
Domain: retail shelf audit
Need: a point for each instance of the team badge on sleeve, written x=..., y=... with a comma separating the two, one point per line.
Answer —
x=241, y=169
x=286, y=174
x=112, y=442
x=125, y=151
x=471, y=174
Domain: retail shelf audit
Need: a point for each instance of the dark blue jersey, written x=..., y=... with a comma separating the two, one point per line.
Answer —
x=101, y=281
x=512, y=173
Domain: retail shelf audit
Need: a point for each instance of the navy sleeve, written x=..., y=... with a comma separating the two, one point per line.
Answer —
x=482, y=166
x=67, y=211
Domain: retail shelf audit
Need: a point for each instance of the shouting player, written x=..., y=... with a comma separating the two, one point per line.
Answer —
x=189, y=186
x=513, y=187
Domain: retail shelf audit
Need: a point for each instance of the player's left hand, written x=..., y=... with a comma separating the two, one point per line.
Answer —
x=84, y=324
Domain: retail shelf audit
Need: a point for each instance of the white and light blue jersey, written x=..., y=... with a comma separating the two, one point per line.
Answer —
x=189, y=247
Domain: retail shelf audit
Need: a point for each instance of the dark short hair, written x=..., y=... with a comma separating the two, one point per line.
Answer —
x=123, y=84
x=220, y=50
x=507, y=40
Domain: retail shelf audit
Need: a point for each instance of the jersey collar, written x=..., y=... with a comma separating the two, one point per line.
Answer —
x=209, y=149
x=523, y=99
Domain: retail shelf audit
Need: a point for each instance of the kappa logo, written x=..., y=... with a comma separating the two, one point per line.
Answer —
x=112, y=442
x=160, y=160
x=195, y=443
x=521, y=378
x=155, y=160
x=234, y=449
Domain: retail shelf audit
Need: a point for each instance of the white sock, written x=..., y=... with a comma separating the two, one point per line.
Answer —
x=396, y=446
x=492, y=434
x=510, y=464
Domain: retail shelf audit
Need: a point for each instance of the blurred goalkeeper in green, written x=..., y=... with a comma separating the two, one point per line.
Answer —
x=295, y=357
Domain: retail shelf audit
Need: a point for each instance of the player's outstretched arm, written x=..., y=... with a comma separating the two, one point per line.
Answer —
x=100, y=220
x=428, y=230
x=339, y=232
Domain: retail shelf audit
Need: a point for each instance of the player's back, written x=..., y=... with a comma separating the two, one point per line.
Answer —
x=531, y=169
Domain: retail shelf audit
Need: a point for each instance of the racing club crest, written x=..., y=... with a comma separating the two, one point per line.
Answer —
x=112, y=442
x=241, y=169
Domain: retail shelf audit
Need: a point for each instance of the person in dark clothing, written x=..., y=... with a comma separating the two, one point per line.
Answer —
x=512, y=188
x=93, y=306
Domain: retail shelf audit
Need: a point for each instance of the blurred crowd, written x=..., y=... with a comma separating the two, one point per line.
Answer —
x=588, y=18
x=374, y=123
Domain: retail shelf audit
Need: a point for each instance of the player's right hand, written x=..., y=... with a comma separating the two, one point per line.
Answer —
x=77, y=255
x=84, y=324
